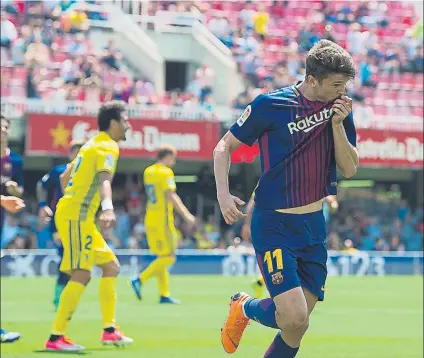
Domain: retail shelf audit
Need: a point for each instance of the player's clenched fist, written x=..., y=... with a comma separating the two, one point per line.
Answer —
x=12, y=204
x=228, y=204
x=107, y=219
x=341, y=108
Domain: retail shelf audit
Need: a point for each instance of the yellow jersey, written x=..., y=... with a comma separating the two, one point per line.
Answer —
x=260, y=22
x=81, y=198
x=158, y=179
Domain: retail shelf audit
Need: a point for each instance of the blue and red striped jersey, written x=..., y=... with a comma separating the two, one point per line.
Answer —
x=296, y=147
x=11, y=166
x=51, y=183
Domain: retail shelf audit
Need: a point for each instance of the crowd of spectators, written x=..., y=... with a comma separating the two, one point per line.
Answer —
x=365, y=220
x=268, y=41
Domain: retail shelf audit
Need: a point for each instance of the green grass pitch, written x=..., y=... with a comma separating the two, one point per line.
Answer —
x=362, y=317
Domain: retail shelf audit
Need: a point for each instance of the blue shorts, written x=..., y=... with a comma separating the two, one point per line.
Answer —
x=291, y=250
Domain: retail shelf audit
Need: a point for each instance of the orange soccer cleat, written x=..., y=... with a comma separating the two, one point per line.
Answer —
x=235, y=323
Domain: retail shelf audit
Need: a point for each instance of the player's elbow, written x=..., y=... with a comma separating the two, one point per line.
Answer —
x=349, y=172
x=219, y=149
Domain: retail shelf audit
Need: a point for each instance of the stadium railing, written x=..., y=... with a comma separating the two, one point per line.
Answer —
x=364, y=115
x=19, y=263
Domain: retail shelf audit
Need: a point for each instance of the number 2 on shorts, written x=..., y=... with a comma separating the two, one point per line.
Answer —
x=270, y=256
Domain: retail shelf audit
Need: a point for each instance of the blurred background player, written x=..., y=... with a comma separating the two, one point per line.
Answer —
x=50, y=185
x=305, y=132
x=89, y=186
x=159, y=221
x=12, y=174
x=12, y=205
x=12, y=182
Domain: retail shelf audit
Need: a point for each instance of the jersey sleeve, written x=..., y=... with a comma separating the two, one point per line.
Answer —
x=18, y=173
x=107, y=159
x=169, y=181
x=47, y=179
x=252, y=123
x=349, y=126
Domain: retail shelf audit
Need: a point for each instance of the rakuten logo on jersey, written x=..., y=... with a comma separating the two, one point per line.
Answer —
x=149, y=139
x=310, y=122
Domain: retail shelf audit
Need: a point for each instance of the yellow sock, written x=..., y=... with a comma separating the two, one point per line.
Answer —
x=150, y=271
x=261, y=280
x=67, y=306
x=163, y=275
x=107, y=294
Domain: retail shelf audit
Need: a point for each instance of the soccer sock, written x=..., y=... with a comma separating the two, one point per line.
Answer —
x=280, y=349
x=150, y=271
x=61, y=282
x=67, y=305
x=261, y=311
x=163, y=275
x=261, y=281
x=107, y=294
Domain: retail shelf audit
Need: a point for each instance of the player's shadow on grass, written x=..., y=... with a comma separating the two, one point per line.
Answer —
x=83, y=353
x=67, y=353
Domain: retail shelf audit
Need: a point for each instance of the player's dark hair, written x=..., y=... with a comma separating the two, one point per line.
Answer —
x=3, y=118
x=165, y=150
x=326, y=58
x=110, y=111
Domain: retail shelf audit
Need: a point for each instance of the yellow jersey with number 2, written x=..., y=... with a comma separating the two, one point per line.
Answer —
x=81, y=197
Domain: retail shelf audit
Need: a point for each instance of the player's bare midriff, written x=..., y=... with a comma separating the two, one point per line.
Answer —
x=310, y=208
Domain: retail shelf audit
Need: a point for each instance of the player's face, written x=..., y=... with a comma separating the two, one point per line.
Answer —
x=5, y=129
x=170, y=160
x=123, y=126
x=331, y=87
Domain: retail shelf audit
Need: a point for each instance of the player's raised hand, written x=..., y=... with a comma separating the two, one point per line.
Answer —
x=228, y=205
x=12, y=204
x=107, y=219
x=12, y=188
x=45, y=215
x=342, y=107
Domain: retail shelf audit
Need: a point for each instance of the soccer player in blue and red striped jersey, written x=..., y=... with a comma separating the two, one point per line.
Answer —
x=12, y=182
x=305, y=132
x=51, y=184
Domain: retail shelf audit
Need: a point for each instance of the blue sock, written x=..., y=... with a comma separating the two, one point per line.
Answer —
x=280, y=349
x=261, y=311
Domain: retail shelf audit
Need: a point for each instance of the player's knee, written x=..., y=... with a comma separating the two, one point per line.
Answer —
x=81, y=276
x=112, y=269
x=291, y=320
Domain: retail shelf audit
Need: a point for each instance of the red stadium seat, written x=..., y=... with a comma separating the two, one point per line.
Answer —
x=418, y=111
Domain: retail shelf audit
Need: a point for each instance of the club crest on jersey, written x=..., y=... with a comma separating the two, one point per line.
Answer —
x=244, y=116
x=309, y=122
x=7, y=166
x=109, y=161
x=277, y=278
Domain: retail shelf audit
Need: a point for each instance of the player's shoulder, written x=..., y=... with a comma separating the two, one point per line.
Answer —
x=282, y=97
x=159, y=170
x=59, y=169
x=285, y=96
x=15, y=157
x=102, y=142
